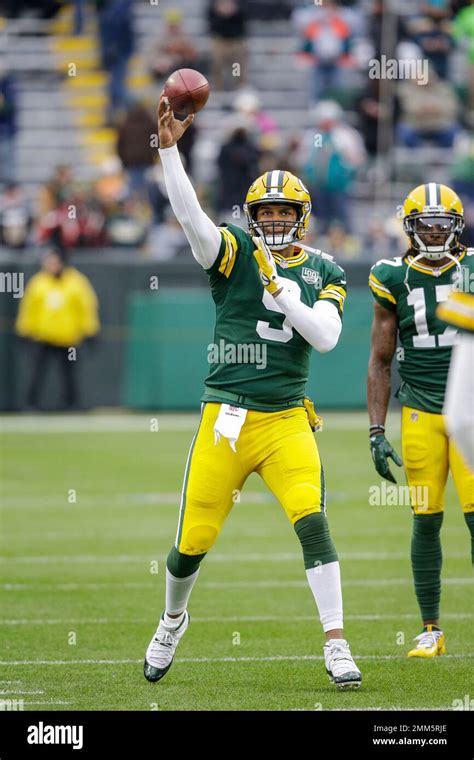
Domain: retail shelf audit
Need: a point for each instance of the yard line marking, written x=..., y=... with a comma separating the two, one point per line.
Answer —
x=52, y=702
x=73, y=586
x=19, y=691
x=273, y=658
x=223, y=619
x=250, y=557
x=363, y=582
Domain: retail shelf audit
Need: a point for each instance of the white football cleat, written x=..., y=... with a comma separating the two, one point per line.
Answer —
x=160, y=653
x=340, y=666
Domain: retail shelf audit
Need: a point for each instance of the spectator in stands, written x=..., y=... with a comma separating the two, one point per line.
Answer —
x=57, y=313
x=15, y=217
x=269, y=10
x=7, y=124
x=110, y=186
x=237, y=166
x=46, y=8
x=157, y=194
x=430, y=30
x=127, y=224
x=57, y=190
x=227, y=26
x=135, y=148
x=330, y=164
x=248, y=113
x=186, y=144
x=79, y=9
x=172, y=49
x=116, y=36
x=463, y=33
x=79, y=219
x=463, y=182
x=428, y=112
x=326, y=44
x=167, y=240
x=383, y=18
x=371, y=111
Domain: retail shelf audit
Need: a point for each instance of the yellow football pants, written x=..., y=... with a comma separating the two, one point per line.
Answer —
x=428, y=455
x=280, y=446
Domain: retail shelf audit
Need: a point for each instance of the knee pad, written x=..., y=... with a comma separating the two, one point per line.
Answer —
x=198, y=539
x=415, y=452
x=301, y=500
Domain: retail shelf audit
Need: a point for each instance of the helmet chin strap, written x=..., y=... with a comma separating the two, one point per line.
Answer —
x=421, y=256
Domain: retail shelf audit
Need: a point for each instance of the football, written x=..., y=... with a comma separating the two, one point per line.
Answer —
x=187, y=91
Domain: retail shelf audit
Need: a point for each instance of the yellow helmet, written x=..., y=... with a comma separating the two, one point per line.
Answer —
x=433, y=209
x=278, y=187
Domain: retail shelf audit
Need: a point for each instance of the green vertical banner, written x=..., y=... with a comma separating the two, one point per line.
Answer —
x=166, y=352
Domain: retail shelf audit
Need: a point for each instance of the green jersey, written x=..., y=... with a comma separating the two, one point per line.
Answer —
x=414, y=293
x=257, y=359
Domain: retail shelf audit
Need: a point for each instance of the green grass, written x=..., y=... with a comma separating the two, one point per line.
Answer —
x=82, y=571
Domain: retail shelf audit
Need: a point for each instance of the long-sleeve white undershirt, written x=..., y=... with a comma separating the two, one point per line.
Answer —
x=203, y=235
x=320, y=325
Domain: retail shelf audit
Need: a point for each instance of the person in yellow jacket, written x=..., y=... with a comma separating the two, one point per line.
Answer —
x=58, y=311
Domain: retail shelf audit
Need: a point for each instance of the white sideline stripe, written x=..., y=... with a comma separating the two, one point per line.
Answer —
x=364, y=582
x=140, y=423
x=274, y=658
x=251, y=557
x=231, y=619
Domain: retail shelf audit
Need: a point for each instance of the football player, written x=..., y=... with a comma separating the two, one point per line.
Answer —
x=407, y=290
x=270, y=291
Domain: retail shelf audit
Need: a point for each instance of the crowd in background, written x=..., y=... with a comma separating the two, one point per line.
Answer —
x=127, y=205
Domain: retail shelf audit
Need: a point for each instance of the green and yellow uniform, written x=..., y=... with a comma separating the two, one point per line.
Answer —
x=276, y=440
x=247, y=315
x=414, y=293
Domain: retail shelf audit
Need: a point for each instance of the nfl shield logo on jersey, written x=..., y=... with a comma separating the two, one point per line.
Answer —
x=311, y=277
x=414, y=416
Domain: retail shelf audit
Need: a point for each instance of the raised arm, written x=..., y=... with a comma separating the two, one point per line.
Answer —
x=201, y=232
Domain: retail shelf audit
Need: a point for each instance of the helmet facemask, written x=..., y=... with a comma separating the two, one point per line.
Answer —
x=434, y=234
x=277, y=234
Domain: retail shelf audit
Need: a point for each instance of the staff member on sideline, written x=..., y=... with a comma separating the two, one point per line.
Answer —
x=58, y=311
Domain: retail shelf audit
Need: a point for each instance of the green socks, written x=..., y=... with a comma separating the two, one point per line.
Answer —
x=469, y=518
x=426, y=561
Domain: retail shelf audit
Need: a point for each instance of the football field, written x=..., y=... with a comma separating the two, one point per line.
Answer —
x=90, y=505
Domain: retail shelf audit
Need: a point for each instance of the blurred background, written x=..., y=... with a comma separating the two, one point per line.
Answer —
x=82, y=196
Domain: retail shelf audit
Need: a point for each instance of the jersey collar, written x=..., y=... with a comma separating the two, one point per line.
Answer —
x=294, y=261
